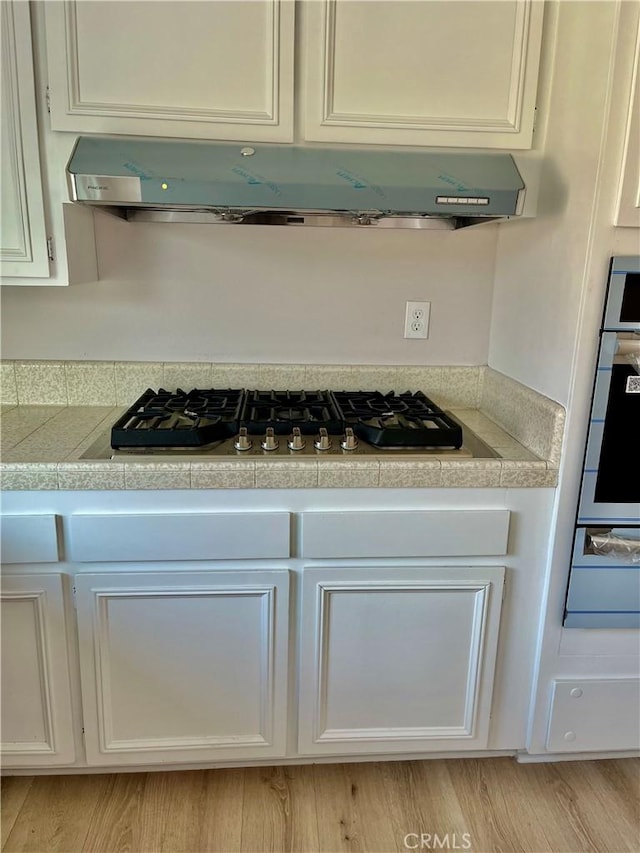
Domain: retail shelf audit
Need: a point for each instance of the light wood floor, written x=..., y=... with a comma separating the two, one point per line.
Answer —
x=503, y=806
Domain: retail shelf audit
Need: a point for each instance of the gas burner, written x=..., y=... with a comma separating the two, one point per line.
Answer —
x=284, y=410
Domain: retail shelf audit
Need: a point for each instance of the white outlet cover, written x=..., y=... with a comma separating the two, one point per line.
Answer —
x=416, y=320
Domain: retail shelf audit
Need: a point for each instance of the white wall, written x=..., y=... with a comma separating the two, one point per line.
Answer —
x=551, y=273
x=263, y=294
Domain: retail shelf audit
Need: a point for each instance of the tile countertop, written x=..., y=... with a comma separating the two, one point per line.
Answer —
x=42, y=440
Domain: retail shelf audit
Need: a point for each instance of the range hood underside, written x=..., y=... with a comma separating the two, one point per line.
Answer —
x=315, y=218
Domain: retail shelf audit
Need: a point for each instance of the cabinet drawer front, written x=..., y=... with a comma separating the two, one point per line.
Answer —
x=591, y=714
x=203, y=536
x=439, y=533
x=29, y=539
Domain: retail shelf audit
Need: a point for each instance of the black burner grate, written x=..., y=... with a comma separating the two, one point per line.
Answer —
x=178, y=419
x=200, y=417
x=283, y=410
x=397, y=420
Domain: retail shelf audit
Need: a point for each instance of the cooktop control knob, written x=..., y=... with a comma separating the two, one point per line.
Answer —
x=243, y=442
x=270, y=442
x=296, y=442
x=349, y=442
x=322, y=442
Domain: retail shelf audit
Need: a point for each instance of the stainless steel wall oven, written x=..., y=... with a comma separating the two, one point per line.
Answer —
x=604, y=587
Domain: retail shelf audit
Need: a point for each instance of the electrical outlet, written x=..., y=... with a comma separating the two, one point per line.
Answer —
x=416, y=320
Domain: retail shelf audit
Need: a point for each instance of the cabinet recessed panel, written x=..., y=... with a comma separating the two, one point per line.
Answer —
x=183, y=666
x=139, y=67
x=417, y=632
x=418, y=51
x=26, y=721
x=397, y=659
x=188, y=69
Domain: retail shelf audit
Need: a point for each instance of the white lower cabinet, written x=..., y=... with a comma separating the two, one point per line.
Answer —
x=36, y=718
x=183, y=666
x=220, y=628
x=397, y=659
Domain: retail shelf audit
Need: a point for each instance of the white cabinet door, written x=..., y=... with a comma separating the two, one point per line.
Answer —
x=177, y=68
x=36, y=720
x=397, y=659
x=422, y=72
x=183, y=666
x=628, y=212
x=23, y=251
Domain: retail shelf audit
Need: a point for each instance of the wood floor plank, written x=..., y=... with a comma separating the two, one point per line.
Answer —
x=14, y=790
x=191, y=810
x=353, y=808
x=170, y=808
x=220, y=822
x=597, y=792
x=423, y=801
x=476, y=803
x=56, y=814
x=279, y=811
x=115, y=823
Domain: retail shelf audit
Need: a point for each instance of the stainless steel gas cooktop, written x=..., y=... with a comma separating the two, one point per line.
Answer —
x=241, y=423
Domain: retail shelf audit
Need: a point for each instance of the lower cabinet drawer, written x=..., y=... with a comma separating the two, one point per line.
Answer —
x=179, y=536
x=429, y=533
x=28, y=539
x=591, y=715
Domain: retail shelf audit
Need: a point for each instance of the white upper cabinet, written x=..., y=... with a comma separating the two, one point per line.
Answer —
x=628, y=212
x=421, y=72
x=23, y=251
x=221, y=70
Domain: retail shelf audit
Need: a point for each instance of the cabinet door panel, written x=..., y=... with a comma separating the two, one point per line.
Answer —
x=183, y=666
x=628, y=212
x=24, y=241
x=188, y=69
x=419, y=72
x=36, y=707
x=397, y=660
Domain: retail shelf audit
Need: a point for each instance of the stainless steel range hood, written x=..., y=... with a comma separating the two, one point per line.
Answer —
x=184, y=181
